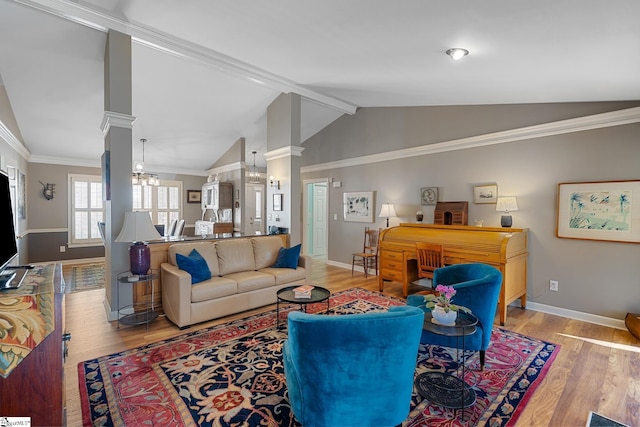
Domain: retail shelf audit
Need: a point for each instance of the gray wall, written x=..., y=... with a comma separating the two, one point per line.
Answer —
x=594, y=277
x=47, y=219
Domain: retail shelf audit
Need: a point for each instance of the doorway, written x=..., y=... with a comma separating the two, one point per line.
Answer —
x=316, y=212
x=254, y=209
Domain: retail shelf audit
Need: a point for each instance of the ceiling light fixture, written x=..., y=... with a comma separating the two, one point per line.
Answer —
x=254, y=175
x=457, y=53
x=139, y=176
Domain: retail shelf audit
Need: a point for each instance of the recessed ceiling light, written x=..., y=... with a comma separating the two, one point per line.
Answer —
x=457, y=53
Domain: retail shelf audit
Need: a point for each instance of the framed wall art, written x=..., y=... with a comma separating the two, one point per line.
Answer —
x=358, y=206
x=605, y=210
x=428, y=196
x=485, y=193
x=277, y=202
x=194, y=196
x=22, y=195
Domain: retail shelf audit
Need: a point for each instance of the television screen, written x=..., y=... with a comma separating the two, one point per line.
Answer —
x=8, y=246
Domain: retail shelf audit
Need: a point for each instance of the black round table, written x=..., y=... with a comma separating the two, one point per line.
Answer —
x=318, y=294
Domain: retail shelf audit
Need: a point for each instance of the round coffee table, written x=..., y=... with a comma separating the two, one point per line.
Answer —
x=318, y=294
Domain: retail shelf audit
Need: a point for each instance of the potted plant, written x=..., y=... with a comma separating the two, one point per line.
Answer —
x=419, y=216
x=441, y=306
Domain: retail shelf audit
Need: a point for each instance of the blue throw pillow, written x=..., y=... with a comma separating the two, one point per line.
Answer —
x=288, y=258
x=195, y=265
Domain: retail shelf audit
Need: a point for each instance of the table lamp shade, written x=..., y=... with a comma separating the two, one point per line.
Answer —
x=137, y=228
x=387, y=211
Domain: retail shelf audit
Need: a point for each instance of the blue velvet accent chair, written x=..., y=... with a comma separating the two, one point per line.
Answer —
x=352, y=369
x=477, y=288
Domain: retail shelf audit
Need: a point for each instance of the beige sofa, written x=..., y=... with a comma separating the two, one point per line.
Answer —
x=241, y=278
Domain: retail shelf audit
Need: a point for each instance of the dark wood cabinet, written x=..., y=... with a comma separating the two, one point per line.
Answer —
x=35, y=387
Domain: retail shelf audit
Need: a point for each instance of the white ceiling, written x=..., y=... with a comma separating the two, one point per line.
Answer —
x=204, y=72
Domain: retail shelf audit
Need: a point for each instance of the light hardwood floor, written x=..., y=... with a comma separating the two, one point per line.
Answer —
x=589, y=373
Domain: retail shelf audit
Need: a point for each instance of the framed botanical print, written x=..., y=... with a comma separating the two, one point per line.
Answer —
x=606, y=210
x=358, y=206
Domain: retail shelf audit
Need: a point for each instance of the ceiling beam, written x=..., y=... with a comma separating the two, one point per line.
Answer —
x=163, y=42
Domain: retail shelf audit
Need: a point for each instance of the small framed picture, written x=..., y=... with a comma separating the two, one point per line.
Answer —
x=277, y=202
x=194, y=196
x=485, y=194
x=428, y=196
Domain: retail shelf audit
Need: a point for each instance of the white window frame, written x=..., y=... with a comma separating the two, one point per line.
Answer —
x=72, y=242
x=152, y=207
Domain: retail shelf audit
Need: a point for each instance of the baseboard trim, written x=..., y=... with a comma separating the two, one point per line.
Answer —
x=543, y=308
x=577, y=315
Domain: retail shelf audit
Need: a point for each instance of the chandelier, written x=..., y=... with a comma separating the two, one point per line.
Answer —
x=254, y=175
x=139, y=176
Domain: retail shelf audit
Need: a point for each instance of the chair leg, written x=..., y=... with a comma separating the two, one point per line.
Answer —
x=482, y=357
x=365, y=264
x=353, y=263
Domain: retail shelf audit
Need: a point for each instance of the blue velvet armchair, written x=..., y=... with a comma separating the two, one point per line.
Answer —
x=477, y=288
x=353, y=369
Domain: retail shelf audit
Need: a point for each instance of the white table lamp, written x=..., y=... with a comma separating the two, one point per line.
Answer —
x=387, y=211
x=138, y=228
x=506, y=205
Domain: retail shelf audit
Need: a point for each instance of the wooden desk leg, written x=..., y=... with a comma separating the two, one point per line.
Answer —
x=523, y=301
x=502, y=308
x=380, y=283
x=405, y=288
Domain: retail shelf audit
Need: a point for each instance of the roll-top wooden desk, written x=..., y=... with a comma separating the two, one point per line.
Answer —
x=503, y=248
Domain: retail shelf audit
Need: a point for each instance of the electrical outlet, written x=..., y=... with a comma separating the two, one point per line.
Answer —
x=63, y=248
x=553, y=285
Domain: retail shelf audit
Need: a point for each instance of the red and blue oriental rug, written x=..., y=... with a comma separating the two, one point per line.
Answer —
x=232, y=375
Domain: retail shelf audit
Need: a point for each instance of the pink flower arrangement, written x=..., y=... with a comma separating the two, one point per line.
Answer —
x=443, y=299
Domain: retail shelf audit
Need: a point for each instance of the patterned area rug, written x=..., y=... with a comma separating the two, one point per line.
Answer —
x=86, y=276
x=232, y=375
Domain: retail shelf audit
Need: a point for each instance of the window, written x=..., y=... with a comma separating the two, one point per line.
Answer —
x=163, y=202
x=86, y=209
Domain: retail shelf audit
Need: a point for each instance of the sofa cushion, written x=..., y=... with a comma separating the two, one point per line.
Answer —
x=206, y=249
x=235, y=255
x=216, y=287
x=266, y=250
x=195, y=265
x=252, y=280
x=285, y=275
x=288, y=257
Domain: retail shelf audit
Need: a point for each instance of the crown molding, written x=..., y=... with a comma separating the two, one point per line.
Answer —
x=7, y=136
x=595, y=121
x=288, y=151
x=226, y=168
x=112, y=118
x=166, y=43
x=97, y=164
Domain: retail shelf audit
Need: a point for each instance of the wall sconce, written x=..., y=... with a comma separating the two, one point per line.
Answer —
x=275, y=184
x=506, y=205
x=48, y=190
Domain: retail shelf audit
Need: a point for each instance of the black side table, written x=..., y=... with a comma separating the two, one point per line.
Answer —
x=444, y=389
x=318, y=294
x=141, y=313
